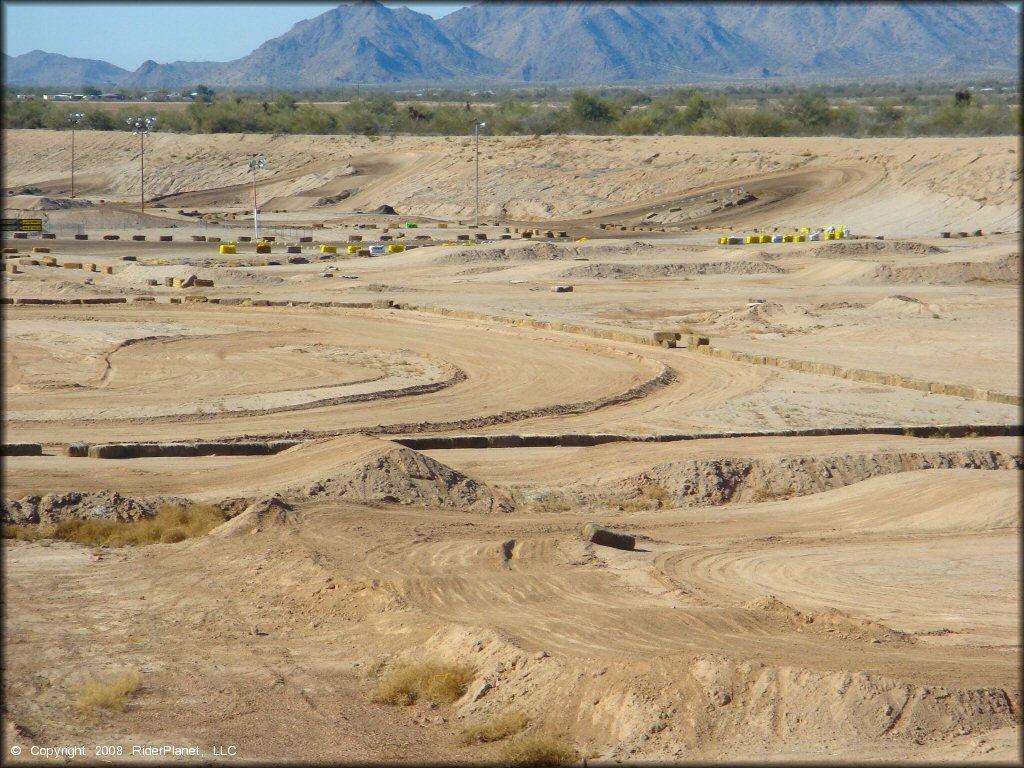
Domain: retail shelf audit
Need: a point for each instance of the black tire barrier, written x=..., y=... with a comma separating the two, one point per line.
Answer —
x=606, y=537
x=165, y=450
x=21, y=449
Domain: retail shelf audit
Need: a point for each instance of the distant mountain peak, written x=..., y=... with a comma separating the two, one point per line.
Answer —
x=588, y=43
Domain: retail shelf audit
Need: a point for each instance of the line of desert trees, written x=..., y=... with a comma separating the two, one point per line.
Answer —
x=805, y=112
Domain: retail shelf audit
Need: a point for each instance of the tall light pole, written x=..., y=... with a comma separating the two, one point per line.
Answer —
x=478, y=125
x=141, y=126
x=256, y=164
x=74, y=118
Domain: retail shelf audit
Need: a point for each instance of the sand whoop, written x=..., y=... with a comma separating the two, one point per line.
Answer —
x=840, y=580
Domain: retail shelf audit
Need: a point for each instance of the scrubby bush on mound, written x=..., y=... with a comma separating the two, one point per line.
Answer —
x=173, y=523
x=439, y=683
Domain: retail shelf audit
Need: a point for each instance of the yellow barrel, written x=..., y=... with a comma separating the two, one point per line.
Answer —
x=800, y=238
x=324, y=248
x=830, y=235
x=787, y=238
x=805, y=230
x=228, y=248
x=396, y=248
x=723, y=240
x=840, y=233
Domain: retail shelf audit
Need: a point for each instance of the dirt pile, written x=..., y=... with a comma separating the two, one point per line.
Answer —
x=654, y=271
x=756, y=707
x=712, y=482
x=853, y=248
x=332, y=199
x=531, y=252
x=1002, y=270
x=105, y=505
x=137, y=274
x=756, y=317
x=694, y=707
x=391, y=473
x=267, y=512
x=904, y=306
x=828, y=621
x=60, y=204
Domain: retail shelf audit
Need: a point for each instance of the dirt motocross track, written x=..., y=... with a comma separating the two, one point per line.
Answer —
x=824, y=497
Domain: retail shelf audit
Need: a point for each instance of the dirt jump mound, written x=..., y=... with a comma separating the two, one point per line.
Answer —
x=381, y=471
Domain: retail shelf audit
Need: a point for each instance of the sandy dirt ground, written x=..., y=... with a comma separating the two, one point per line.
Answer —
x=839, y=582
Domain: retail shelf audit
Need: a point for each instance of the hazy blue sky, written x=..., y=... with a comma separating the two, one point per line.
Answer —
x=127, y=34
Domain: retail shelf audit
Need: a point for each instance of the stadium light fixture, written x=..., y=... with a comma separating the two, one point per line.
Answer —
x=256, y=164
x=74, y=118
x=478, y=126
x=142, y=126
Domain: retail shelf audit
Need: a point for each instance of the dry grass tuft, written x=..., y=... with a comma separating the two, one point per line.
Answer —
x=761, y=495
x=112, y=694
x=173, y=523
x=551, y=503
x=495, y=729
x=440, y=683
x=26, y=532
x=539, y=748
x=651, y=496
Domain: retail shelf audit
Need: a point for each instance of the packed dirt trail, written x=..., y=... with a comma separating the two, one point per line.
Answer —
x=807, y=452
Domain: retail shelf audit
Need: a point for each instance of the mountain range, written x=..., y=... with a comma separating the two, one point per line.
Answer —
x=588, y=43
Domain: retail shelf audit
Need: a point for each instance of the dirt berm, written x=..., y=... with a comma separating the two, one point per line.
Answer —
x=713, y=482
x=649, y=271
x=109, y=505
